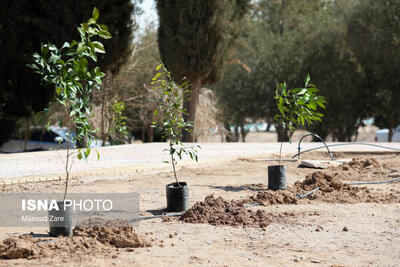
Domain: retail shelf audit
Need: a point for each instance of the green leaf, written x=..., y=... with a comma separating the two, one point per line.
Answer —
x=65, y=45
x=104, y=34
x=156, y=77
x=312, y=106
x=302, y=91
x=307, y=81
x=95, y=14
x=103, y=27
x=87, y=152
x=91, y=21
x=321, y=104
x=81, y=48
x=99, y=48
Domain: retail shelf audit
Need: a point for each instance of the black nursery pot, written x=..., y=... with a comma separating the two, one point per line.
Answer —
x=60, y=221
x=177, y=196
x=277, y=177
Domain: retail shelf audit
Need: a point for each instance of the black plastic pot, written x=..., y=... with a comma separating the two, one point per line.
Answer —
x=60, y=221
x=277, y=177
x=177, y=196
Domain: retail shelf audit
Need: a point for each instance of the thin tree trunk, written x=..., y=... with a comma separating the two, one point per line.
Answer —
x=236, y=137
x=143, y=134
x=103, y=102
x=190, y=107
x=391, y=126
x=282, y=132
x=150, y=134
x=243, y=132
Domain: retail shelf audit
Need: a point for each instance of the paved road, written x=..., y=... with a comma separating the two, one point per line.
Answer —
x=145, y=157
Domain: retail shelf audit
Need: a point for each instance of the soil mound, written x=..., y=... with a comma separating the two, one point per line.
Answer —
x=360, y=164
x=218, y=211
x=333, y=190
x=33, y=248
x=86, y=241
x=120, y=237
x=326, y=182
x=274, y=197
x=15, y=248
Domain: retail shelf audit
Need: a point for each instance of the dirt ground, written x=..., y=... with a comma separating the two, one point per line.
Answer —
x=338, y=225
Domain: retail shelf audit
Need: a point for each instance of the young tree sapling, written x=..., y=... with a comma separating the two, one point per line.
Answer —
x=68, y=69
x=170, y=115
x=297, y=107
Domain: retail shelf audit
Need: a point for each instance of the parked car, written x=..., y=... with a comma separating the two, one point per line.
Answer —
x=40, y=140
x=382, y=135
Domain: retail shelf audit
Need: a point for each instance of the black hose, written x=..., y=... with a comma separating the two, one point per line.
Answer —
x=346, y=144
x=317, y=136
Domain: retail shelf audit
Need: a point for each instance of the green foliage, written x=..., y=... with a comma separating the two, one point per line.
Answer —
x=119, y=133
x=373, y=33
x=25, y=24
x=170, y=111
x=69, y=71
x=298, y=106
x=285, y=40
x=195, y=39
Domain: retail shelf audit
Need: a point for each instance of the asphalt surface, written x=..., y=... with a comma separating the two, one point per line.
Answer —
x=148, y=158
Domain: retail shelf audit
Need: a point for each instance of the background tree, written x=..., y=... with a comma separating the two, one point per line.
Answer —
x=133, y=84
x=374, y=35
x=195, y=38
x=25, y=24
x=284, y=42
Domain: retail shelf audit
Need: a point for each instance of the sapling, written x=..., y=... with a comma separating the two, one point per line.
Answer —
x=297, y=107
x=69, y=71
x=170, y=115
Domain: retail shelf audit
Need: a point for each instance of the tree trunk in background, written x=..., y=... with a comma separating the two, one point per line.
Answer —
x=283, y=134
x=229, y=136
x=269, y=123
x=150, y=134
x=391, y=126
x=236, y=137
x=190, y=106
x=243, y=132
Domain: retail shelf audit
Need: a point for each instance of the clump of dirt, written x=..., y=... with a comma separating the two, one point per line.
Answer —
x=362, y=169
x=274, y=197
x=333, y=190
x=86, y=241
x=218, y=211
x=15, y=248
x=360, y=164
x=26, y=246
x=120, y=237
x=326, y=182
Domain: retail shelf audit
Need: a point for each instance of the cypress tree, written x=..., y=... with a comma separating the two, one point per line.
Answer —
x=195, y=38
